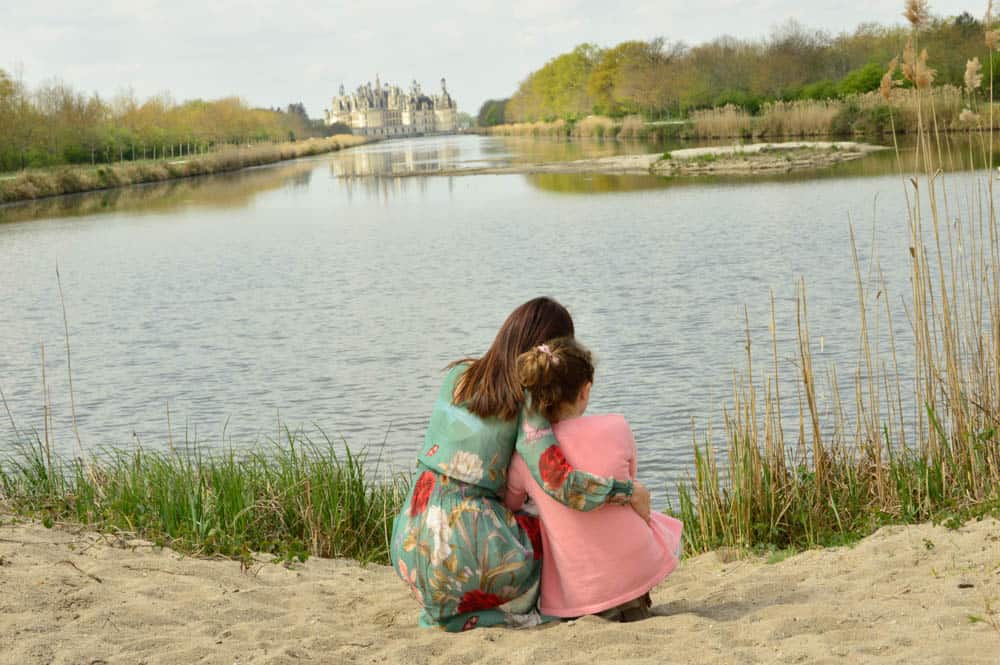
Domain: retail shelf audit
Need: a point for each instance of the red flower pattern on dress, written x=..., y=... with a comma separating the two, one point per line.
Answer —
x=431, y=451
x=471, y=623
x=553, y=467
x=532, y=527
x=422, y=493
x=476, y=600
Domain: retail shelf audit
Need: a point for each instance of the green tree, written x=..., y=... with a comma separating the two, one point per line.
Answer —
x=492, y=113
x=863, y=79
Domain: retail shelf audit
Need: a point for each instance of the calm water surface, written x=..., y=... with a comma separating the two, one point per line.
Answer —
x=321, y=295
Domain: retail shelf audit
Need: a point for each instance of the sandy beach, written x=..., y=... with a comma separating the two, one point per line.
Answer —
x=915, y=594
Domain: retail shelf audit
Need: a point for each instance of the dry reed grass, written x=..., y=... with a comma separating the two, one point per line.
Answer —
x=35, y=184
x=728, y=121
x=632, y=127
x=536, y=129
x=798, y=118
x=595, y=126
x=591, y=127
x=842, y=472
x=819, y=117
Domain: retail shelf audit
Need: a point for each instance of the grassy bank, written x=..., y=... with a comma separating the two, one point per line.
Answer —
x=294, y=499
x=39, y=183
x=869, y=114
x=596, y=127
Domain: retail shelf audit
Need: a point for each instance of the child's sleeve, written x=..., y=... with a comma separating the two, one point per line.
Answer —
x=547, y=464
x=633, y=462
x=516, y=489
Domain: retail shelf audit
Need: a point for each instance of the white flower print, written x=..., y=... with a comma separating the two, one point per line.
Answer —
x=437, y=523
x=466, y=466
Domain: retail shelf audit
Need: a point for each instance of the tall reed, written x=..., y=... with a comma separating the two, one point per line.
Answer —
x=727, y=121
x=798, y=118
x=842, y=472
x=854, y=114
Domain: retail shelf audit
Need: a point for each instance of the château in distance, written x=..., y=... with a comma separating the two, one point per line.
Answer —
x=389, y=111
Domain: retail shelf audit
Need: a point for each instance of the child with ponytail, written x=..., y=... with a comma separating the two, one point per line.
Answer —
x=603, y=561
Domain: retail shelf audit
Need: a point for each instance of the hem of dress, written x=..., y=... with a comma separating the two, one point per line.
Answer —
x=570, y=612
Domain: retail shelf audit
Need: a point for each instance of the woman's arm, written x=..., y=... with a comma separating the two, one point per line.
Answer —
x=516, y=492
x=577, y=489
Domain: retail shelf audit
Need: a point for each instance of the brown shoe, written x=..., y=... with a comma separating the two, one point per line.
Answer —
x=636, y=609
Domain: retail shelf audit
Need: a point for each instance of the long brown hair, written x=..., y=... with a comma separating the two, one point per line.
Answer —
x=554, y=373
x=490, y=387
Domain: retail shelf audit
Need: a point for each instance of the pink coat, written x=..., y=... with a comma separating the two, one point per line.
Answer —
x=593, y=561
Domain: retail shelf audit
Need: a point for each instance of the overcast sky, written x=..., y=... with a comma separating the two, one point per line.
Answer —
x=272, y=52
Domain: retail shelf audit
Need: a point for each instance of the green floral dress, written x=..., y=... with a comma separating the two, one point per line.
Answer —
x=468, y=560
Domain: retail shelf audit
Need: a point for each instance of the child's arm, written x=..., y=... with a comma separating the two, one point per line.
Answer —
x=633, y=461
x=516, y=492
x=575, y=488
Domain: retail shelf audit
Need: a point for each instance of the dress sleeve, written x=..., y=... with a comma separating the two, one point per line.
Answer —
x=548, y=466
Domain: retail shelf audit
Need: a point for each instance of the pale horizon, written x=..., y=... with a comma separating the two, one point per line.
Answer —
x=298, y=52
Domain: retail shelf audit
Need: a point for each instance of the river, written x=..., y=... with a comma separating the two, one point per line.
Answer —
x=328, y=294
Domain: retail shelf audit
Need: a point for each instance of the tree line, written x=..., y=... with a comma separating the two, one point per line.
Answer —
x=54, y=124
x=660, y=79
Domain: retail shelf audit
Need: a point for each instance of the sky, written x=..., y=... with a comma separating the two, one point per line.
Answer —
x=273, y=52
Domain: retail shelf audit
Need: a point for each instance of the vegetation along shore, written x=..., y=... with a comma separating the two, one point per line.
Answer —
x=55, y=140
x=54, y=181
x=794, y=82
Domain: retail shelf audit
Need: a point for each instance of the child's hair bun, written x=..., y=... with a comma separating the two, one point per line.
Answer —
x=554, y=373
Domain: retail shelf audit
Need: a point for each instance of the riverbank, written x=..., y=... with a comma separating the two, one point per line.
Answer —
x=905, y=594
x=41, y=183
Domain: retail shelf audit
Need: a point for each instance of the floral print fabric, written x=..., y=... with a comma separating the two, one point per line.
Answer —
x=468, y=560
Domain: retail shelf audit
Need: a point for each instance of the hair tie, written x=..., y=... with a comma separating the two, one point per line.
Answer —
x=544, y=348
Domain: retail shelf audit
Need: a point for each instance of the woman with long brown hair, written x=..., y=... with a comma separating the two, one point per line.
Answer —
x=468, y=560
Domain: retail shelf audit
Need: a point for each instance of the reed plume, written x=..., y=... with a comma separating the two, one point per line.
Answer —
x=973, y=75
x=917, y=13
x=888, y=82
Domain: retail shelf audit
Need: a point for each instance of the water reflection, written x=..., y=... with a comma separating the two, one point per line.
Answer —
x=434, y=154
x=221, y=191
x=380, y=171
x=383, y=188
x=597, y=183
x=398, y=158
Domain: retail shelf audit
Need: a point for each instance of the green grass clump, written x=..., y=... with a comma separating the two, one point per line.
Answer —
x=293, y=500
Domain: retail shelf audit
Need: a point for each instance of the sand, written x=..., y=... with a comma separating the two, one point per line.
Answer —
x=761, y=158
x=757, y=148
x=71, y=596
